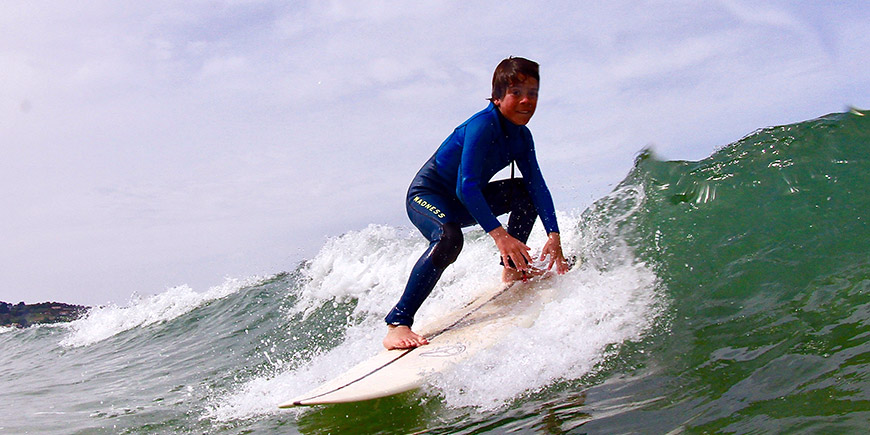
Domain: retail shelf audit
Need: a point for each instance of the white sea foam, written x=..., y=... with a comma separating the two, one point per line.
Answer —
x=371, y=266
x=606, y=301
x=594, y=311
x=262, y=395
x=103, y=322
x=371, y=261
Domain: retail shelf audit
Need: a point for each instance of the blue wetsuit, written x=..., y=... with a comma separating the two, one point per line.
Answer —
x=452, y=190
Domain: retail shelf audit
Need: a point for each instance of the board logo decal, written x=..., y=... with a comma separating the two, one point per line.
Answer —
x=445, y=351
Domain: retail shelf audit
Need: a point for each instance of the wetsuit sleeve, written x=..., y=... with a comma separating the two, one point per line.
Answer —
x=479, y=136
x=528, y=164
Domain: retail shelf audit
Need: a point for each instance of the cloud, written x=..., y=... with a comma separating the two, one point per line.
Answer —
x=151, y=144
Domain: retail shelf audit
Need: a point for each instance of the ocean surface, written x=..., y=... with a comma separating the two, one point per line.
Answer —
x=727, y=295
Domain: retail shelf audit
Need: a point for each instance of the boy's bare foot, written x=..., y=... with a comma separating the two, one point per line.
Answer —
x=509, y=275
x=401, y=337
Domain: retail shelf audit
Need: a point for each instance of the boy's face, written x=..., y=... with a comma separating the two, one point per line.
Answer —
x=519, y=101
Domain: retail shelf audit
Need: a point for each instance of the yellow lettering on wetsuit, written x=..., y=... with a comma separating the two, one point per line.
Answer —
x=435, y=210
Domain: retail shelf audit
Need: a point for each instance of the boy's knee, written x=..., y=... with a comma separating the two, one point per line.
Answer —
x=448, y=247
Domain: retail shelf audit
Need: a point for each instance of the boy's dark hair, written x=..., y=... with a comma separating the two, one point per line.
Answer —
x=512, y=71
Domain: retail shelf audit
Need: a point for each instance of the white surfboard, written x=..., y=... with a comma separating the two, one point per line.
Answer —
x=460, y=334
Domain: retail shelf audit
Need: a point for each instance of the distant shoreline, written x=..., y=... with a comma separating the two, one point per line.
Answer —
x=23, y=315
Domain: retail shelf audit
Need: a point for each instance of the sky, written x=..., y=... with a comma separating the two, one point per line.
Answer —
x=147, y=145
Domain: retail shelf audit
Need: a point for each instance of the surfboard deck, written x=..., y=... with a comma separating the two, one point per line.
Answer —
x=452, y=338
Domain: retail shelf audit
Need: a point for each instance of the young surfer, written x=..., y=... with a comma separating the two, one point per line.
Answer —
x=452, y=190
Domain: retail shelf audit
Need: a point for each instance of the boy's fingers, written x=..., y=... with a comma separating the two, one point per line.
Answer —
x=519, y=255
x=520, y=262
x=562, y=267
x=506, y=260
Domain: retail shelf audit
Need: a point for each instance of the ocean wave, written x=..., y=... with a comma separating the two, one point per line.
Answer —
x=609, y=299
x=103, y=322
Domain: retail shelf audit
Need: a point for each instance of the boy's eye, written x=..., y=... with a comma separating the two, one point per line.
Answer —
x=516, y=92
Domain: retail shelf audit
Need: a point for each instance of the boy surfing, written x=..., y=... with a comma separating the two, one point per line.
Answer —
x=452, y=190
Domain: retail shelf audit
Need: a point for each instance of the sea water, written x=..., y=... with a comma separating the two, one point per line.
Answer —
x=727, y=295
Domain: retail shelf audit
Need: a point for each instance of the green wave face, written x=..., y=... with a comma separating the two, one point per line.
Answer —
x=764, y=249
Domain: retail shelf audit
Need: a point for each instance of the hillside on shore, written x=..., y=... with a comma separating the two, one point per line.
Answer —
x=23, y=315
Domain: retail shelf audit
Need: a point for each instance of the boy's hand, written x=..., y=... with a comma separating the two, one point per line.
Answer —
x=511, y=249
x=553, y=249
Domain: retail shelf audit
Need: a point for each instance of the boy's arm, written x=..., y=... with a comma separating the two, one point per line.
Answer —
x=541, y=197
x=543, y=201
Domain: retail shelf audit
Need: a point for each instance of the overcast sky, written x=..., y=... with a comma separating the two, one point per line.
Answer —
x=150, y=144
